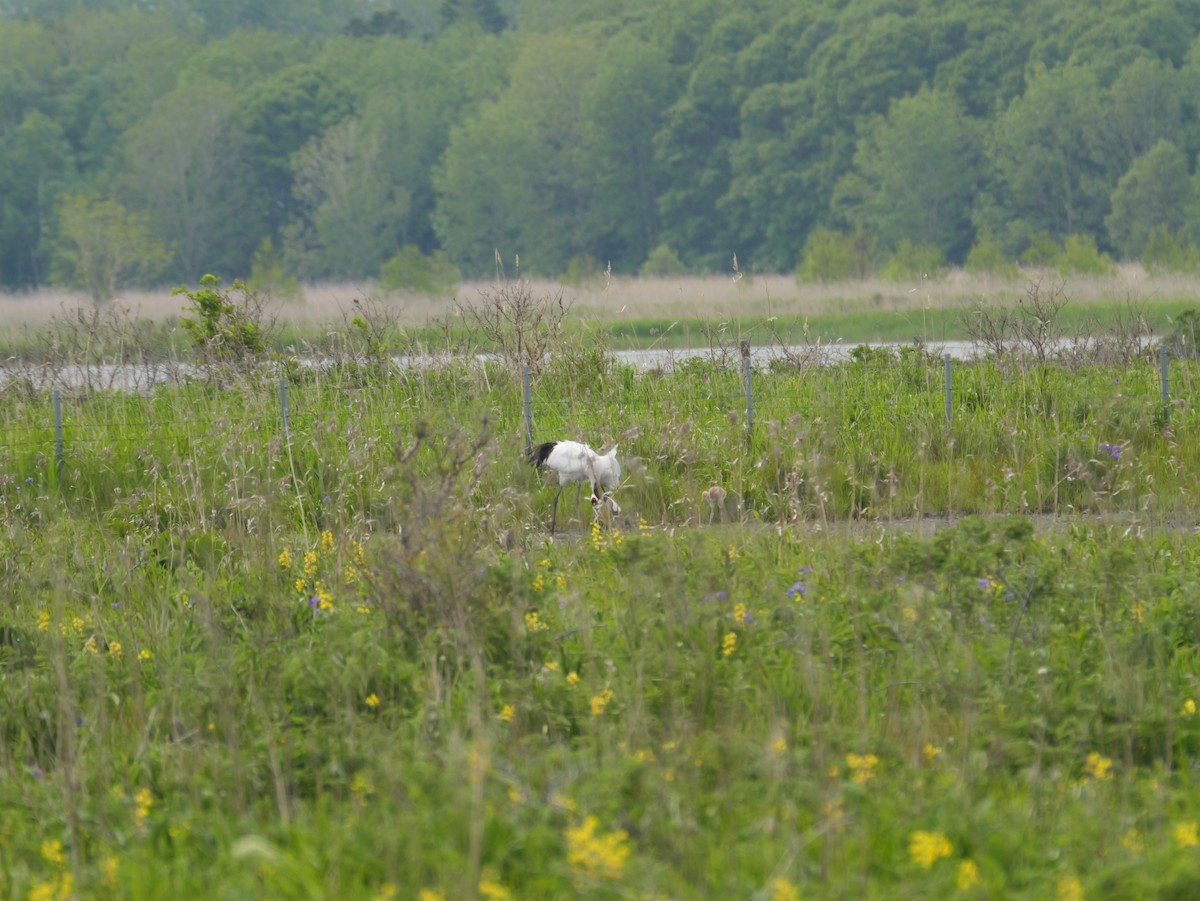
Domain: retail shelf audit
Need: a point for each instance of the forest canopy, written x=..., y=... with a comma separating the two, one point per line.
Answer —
x=167, y=140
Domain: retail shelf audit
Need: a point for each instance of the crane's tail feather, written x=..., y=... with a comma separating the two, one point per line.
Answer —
x=538, y=455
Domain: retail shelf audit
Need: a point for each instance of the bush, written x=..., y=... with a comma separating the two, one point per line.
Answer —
x=225, y=328
x=581, y=269
x=413, y=272
x=831, y=256
x=1169, y=252
x=663, y=262
x=987, y=257
x=911, y=262
x=267, y=275
x=1080, y=256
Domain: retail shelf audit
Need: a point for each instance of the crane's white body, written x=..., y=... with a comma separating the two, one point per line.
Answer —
x=574, y=461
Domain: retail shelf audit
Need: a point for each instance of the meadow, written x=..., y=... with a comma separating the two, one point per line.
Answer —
x=855, y=651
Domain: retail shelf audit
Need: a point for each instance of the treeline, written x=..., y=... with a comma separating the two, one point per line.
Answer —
x=340, y=139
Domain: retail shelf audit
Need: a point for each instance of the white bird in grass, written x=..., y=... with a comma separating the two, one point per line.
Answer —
x=576, y=462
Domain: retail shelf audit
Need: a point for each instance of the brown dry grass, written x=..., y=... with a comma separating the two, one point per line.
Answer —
x=710, y=297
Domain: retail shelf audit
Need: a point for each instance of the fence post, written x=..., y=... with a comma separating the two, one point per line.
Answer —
x=528, y=393
x=1166, y=391
x=283, y=405
x=946, y=361
x=59, y=456
x=746, y=371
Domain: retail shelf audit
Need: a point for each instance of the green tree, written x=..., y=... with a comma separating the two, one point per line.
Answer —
x=1154, y=193
x=1047, y=176
x=623, y=106
x=517, y=176
x=35, y=165
x=349, y=211
x=272, y=121
x=915, y=175
x=178, y=175
x=102, y=247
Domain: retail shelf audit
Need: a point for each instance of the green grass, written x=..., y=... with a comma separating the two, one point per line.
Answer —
x=347, y=661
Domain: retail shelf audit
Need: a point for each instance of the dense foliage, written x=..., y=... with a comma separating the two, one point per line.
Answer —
x=145, y=142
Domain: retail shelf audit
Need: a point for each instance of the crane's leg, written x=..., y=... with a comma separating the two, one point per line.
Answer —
x=554, y=509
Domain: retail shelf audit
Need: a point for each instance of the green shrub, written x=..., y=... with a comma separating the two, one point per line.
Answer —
x=987, y=257
x=663, y=262
x=1080, y=256
x=912, y=262
x=413, y=272
x=831, y=256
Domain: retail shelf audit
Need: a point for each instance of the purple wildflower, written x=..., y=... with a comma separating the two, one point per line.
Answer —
x=1113, y=450
x=984, y=582
x=798, y=588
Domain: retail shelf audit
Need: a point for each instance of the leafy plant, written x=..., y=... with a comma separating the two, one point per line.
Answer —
x=227, y=325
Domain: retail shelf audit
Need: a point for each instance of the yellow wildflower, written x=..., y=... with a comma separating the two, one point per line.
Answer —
x=145, y=654
x=862, y=767
x=539, y=584
x=43, y=620
x=967, y=875
x=927, y=848
x=327, y=542
x=729, y=643
x=572, y=679
x=732, y=553
x=779, y=745
x=601, y=701
x=1189, y=707
x=362, y=787
x=1186, y=834
x=324, y=597
x=551, y=666
x=310, y=563
x=592, y=854
x=1098, y=766
x=909, y=614
x=143, y=801
x=1139, y=611
x=782, y=890
x=372, y=700
x=108, y=871
x=931, y=752
x=349, y=575
x=387, y=892
x=533, y=622
x=52, y=851
x=358, y=553
x=739, y=613
x=560, y=582
x=301, y=586
x=493, y=891
x=1133, y=841
x=285, y=559
x=114, y=648
x=90, y=645
x=429, y=894
x=1070, y=888
x=363, y=609
x=508, y=713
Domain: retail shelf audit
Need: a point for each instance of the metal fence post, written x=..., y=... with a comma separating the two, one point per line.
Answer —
x=59, y=456
x=283, y=405
x=1163, y=370
x=528, y=395
x=948, y=364
x=749, y=384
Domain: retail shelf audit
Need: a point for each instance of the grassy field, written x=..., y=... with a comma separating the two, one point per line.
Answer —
x=857, y=651
x=629, y=313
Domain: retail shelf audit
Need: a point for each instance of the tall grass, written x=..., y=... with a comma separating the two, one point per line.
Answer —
x=347, y=660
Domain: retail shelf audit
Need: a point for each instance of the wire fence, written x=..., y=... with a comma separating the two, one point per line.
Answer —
x=156, y=424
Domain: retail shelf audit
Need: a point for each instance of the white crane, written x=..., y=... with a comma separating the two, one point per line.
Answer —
x=576, y=462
